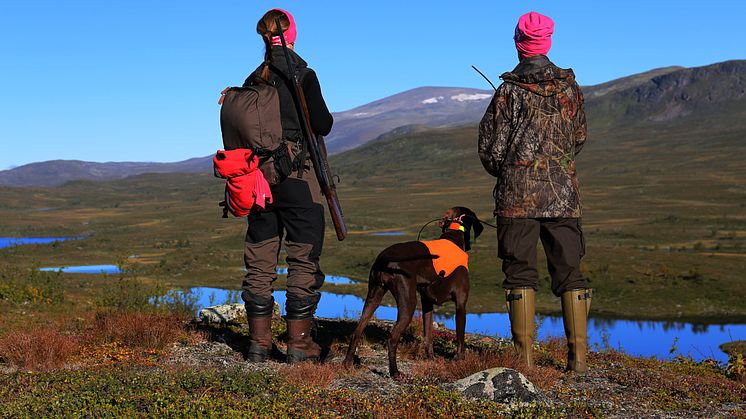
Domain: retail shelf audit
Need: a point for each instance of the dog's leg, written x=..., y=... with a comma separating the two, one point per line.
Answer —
x=405, y=294
x=372, y=301
x=427, y=324
x=461, y=295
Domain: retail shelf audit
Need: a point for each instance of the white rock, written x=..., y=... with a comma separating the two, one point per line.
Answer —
x=502, y=385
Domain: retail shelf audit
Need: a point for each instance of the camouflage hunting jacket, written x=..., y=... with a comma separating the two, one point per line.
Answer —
x=528, y=139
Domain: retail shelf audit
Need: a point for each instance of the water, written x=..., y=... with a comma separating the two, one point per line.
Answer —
x=85, y=269
x=641, y=338
x=387, y=233
x=17, y=241
x=329, y=279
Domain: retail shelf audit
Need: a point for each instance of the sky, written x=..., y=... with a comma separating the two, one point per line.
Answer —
x=139, y=80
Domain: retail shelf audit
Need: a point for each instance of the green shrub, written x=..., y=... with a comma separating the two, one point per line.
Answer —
x=32, y=286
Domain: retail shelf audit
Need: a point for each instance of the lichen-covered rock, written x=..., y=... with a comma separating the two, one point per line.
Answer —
x=228, y=314
x=223, y=314
x=502, y=385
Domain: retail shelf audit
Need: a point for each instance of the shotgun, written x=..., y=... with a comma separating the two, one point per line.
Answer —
x=315, y=145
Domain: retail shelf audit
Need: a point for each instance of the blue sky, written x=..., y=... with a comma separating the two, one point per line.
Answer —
x=138, y=80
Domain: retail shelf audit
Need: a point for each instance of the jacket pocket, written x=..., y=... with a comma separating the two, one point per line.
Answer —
x=582, y=238
x=505, y=238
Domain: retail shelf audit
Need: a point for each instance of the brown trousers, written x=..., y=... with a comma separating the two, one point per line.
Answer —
x=297, y=217
x=564, y=246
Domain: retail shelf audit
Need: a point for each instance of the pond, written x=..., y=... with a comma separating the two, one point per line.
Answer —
x=18, y=241
x=85, y=269
x=328, y=279
x=640, y=338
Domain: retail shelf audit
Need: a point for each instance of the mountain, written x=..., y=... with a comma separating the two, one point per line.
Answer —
x=713, y=95
x=424, y=106
x=669, y=95
x=58, y=172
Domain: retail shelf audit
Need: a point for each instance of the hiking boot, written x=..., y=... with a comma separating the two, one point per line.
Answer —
x=301, y=346
x=521, y=304
x=575, y=307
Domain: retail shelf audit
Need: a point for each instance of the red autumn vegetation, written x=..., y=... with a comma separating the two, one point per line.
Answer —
x=41, y=349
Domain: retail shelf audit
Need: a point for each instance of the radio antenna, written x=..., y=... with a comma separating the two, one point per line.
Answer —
x=485, y=77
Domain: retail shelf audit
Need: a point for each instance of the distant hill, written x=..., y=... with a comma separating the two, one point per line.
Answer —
x=58, y=172
x=658, y=99
x=424, y=106
x=715, y=89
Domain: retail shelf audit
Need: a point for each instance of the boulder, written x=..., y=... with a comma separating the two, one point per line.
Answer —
x=228, y=314
x=502, y=385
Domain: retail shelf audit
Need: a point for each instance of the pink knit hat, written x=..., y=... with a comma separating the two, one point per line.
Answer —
x=290, y=33
x=533, y=34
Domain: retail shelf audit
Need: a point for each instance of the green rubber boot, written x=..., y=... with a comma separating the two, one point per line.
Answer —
x=575, y=307
x=521, y=304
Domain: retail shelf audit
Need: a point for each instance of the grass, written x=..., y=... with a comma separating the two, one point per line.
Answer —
x=664, y=223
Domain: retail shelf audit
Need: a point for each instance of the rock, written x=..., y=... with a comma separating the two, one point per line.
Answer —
x=228, y=314
x=223, y=314
x=502, y=385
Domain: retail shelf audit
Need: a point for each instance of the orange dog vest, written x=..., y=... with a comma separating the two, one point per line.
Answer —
x=450, y=256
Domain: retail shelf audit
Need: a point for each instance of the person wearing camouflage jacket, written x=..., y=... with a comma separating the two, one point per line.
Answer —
x=528, y=139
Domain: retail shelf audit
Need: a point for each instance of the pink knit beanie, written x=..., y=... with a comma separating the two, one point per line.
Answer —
x=290, y=33
x=533, y=34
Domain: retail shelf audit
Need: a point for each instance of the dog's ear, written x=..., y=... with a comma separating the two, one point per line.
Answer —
x=470, y=222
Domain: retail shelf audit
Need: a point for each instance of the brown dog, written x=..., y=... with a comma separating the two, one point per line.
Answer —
x=437, y=269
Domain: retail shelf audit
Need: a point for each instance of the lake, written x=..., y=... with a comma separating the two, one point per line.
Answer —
x=640, y=338
x=85, y=269
x=19, y=241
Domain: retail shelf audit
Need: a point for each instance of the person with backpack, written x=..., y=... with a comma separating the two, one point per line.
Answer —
x=296, y=213
x=528, y=139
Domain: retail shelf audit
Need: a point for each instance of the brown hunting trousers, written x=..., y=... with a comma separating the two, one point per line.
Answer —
x=296, y=217
x=564, y=246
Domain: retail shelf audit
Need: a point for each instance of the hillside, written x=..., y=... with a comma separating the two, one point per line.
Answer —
x=660, y=100
x=59, y=172
x=426, y=106
x=717, y=91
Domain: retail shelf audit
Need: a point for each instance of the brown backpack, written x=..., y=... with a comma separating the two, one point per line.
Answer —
x=250, y=118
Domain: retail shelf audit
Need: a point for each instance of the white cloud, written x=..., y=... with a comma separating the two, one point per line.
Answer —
x=463, y=97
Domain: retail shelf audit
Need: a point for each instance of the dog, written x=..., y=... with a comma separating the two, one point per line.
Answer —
x=436, y=269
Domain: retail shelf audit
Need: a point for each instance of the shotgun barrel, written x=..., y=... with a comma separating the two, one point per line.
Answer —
x=315, y=145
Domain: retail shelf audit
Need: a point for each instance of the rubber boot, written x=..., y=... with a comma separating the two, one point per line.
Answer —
x=259, y=315
x=260, y=344
x=301, y=346
x=575, y=307
x=521, y=307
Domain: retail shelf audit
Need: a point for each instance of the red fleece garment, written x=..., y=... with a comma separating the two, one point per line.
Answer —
x=245, y=186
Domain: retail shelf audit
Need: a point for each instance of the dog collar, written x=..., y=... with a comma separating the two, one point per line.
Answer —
x=456, y=226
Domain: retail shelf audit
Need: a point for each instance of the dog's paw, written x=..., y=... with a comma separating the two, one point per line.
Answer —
x=349, y=363
x=399, y=377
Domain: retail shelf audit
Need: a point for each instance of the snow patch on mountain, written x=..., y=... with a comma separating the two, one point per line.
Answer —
x=463, y=97
x=432, y=100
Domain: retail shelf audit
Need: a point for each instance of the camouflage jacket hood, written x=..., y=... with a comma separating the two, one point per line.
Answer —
x=538, y=75
x=528, y=139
